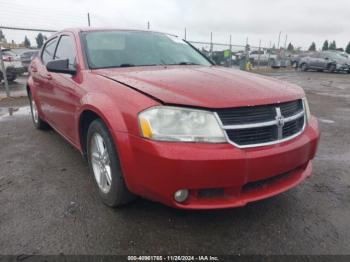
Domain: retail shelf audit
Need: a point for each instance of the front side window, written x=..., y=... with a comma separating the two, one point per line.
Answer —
x=49, y=51
x=66, y=50
x=134, y=48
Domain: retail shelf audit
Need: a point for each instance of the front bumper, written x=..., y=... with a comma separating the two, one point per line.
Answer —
x=217, y=175
x=14, y=70
x=343, y=67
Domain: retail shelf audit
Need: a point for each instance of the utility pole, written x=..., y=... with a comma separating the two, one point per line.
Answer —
x=211, y=44
x=259, y=54
x=3, y=70
x=185, y=33
x=269, y=54
x=230, y=51
x=279, y=38
x=285, y=42
x=88, y=17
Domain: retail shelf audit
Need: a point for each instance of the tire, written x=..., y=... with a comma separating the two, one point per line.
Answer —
x=105, y=166
x=12, y=78
x=37, y=121
x=331, y=68
x=303, y=67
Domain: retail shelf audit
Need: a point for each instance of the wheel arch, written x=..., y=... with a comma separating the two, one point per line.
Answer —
x=90, y=113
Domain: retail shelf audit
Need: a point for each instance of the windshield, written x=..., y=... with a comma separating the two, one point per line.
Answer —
x=335, y=55
x=135, y=48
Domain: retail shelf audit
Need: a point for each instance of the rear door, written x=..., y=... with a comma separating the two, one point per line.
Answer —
x=314, y=61
x=324, y=60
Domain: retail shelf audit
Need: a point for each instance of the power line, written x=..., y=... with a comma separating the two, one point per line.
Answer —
x=28, y=29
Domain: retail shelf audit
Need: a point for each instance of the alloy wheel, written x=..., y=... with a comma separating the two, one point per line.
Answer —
x=34, y=111
x=100, y=161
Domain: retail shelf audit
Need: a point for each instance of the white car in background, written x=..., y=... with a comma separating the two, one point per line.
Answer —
x=262, y=56
x=13, y=65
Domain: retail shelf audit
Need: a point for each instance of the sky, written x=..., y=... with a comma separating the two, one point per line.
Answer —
x=302, y=21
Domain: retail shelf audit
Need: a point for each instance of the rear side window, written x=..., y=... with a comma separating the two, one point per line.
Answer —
x=49, y=51
x=66, y=50
x=8, y=53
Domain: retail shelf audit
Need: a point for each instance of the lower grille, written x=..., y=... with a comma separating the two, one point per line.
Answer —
x=251, y=186
x=261, y=125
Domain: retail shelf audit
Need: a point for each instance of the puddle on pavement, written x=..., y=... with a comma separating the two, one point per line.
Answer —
x=8, y=112
x=327, y=121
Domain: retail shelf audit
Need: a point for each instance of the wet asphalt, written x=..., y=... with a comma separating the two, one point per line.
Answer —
x=49, y=205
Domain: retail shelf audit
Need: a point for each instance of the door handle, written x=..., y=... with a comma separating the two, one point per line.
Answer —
x=48, y=76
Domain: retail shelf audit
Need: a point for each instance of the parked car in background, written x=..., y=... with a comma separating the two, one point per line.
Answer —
x=26, y=58
x=295, y=58
x=325, y=61
x=13, y=65
x=156, y=118
x=262, y=57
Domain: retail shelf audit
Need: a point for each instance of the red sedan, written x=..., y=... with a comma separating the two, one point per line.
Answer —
x=155, y=118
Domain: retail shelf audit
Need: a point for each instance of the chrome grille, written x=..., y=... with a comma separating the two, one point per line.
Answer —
x=262, y=125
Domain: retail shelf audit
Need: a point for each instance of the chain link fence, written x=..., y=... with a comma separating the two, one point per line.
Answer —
x=244, y=56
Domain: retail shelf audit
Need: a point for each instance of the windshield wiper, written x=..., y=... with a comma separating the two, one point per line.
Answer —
x=187, y=63
x=126, y=65
x=132, y=65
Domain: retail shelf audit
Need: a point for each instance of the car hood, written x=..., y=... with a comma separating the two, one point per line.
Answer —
x=209, y=87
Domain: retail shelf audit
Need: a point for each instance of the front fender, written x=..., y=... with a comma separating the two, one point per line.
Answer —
x=105, y=108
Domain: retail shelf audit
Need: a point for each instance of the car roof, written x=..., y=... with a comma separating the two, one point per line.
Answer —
x=101, y=29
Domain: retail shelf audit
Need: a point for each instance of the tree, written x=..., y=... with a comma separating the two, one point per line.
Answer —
x=290, y=47
x=26, y=42
x=312, y=47
x=39, y=40
x=333, y=46
x=325, y=45
x=347, y=49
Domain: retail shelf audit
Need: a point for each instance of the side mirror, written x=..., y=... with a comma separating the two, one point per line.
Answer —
x=60, y=66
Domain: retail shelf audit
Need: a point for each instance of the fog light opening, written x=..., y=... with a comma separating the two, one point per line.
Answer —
x=181, y=195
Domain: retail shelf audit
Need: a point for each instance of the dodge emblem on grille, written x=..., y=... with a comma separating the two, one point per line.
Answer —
x=280, y=121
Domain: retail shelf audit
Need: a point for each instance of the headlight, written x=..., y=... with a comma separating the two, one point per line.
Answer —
x=180, y=124
x=307, y=110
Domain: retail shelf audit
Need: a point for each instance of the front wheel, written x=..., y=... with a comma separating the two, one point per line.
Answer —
x=304, y=67
x=105, y=166
x=331, y=68
x=12, y=78
x=37, y=121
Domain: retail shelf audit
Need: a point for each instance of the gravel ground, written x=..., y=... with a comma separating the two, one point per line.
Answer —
x=49, y=204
